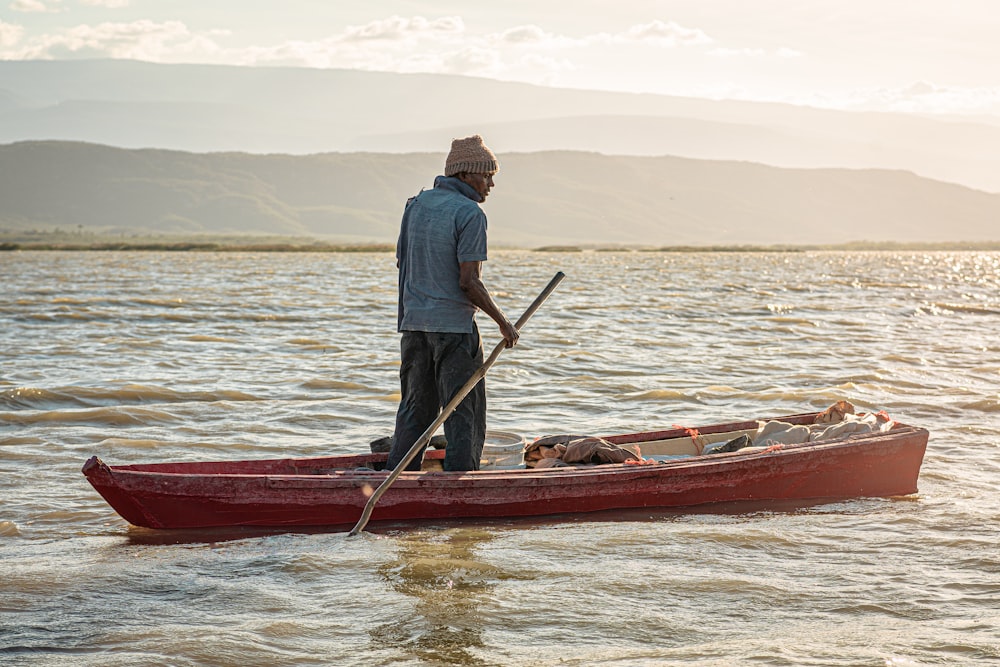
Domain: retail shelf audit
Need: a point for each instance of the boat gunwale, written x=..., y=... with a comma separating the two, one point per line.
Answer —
x=356, y=476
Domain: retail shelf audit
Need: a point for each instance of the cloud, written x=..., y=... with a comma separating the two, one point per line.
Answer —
x=532, y=36
x=392, y=44
x=10, y=34
x=524, y=34
x=140, y=40
x=663, y=33
x=396, y=43
x=110, y=4
x=474, y=60
x=656, y=33
x=446, y=45
x=32, y=7
x=398, y=28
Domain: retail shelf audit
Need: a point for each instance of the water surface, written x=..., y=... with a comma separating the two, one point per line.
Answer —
x=190, y=356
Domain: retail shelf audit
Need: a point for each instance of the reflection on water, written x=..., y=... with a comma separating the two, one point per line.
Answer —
x=447, y=582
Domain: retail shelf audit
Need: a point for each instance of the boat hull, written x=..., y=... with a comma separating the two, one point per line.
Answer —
x=332, y=491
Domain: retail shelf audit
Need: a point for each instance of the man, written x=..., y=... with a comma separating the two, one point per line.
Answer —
x=440, y=252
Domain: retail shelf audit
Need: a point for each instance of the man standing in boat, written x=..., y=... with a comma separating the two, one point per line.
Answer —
x=440, y=255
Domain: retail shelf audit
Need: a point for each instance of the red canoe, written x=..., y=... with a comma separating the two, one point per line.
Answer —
x=332, y=491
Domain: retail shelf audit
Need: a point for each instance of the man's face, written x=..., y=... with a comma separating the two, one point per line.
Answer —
x=481, y=183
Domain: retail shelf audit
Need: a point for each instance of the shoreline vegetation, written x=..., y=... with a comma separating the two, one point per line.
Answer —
x=165, y=243
x=389, y=247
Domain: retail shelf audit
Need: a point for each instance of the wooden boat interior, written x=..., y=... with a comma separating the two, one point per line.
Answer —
x=678, y=442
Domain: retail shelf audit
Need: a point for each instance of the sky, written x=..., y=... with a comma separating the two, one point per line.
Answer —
x=924, y=56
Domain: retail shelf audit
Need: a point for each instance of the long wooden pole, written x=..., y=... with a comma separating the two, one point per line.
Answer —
x=450, y=407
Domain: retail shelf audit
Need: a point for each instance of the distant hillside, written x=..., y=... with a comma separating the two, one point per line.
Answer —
x=542, y=198
x=204, y=108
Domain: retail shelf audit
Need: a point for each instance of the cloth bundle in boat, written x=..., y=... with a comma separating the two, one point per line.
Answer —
x=837, y=421
x=783, y=433
x=562, y=450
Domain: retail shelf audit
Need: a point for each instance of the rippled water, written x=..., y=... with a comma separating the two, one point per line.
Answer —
x=187, y=356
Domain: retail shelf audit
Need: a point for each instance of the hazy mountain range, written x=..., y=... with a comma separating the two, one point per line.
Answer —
x=557, y=197
x=336, y=153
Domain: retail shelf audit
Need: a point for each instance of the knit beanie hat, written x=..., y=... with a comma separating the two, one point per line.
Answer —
x=470, y=155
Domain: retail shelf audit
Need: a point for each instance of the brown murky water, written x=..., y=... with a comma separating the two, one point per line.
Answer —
x=186, y=356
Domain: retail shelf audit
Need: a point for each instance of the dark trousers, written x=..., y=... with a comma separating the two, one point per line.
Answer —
x=434, y=367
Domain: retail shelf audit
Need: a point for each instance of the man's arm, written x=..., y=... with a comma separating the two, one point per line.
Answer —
x=471, y=282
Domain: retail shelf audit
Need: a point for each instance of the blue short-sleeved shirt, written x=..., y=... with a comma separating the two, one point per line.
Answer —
x=441, y=228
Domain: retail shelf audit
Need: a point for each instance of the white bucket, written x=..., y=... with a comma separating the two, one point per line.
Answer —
x=502, y=450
